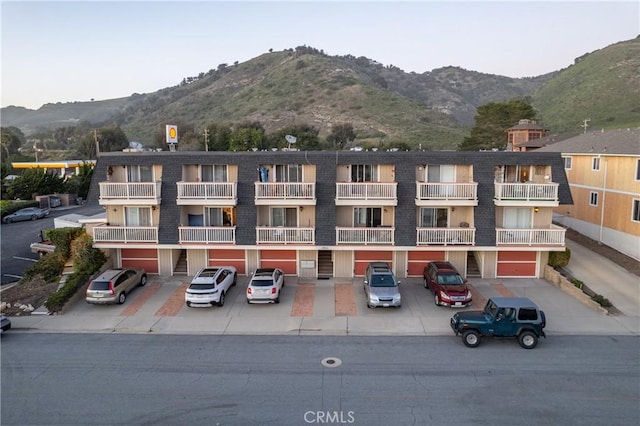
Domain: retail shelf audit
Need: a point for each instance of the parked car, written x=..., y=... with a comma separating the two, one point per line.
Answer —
x=54, y=201
x=265, y=286
x=28, y=213
x=210, y=286
x=502, y=317
x=113, y=285
x=447, y=285
x=381, y=287
x=5, y=323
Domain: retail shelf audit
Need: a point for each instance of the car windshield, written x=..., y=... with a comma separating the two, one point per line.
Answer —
x=450, y=279
x=261, y=283
x=99, y=285
x=383, y=280
x=207, y=286
x=491, y=308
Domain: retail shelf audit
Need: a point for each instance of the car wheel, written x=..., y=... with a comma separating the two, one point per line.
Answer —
x=34, y=217
x=8, y=220
x=188, y=304
x=221, y=302
x=276, y=300
x=235, y=279
x=471, y=338
x=528, y=339
x=143, y=281
x=436, y=299
x=424, y=283
x=122, y=297
x=248, y=301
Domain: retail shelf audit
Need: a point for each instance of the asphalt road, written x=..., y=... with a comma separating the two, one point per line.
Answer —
x=16, y=238
x=256, y=380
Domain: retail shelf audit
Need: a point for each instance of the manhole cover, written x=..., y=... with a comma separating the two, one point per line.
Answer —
x=331, y=362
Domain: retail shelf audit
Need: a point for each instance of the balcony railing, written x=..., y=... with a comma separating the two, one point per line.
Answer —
x=447, y=191
x=284, y=235
x=526, y=192
x=125, y=234
x=207, y=191
x=285, y=190
x=363, y=191
x=365, y=236
x=207, y=234
x=129, y=191
x=552, y=236
x=446, y=236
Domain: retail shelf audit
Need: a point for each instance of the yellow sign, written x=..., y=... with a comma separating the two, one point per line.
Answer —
x=172, y=133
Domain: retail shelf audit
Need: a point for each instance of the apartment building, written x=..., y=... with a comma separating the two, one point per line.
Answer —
x=321, y=214
x=603, y=171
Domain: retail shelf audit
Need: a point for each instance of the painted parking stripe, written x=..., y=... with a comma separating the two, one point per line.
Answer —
x=175, y=302
x=502, y=290
x=345, y=300
x=303, y=301
x=134, y=306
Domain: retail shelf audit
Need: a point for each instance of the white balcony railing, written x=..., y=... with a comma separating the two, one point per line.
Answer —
x=366, y=191
x=130, y=191
x=207, y=234
x=365, y=236
x=553, y=236
x=203, y=191
x=125, y=234
x=447, y=191
x=284, y=235
x=446, y=236
x=526, y=191
x=285, y=190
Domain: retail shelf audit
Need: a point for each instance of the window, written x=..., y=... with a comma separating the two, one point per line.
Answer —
x=638, y=170
x=527, y=314
x=138, y=216
x=367, y=216
x=434, y=218
x=595, y=165
x=284, y=216
x=218, y=216
x=593, y=199
x=288, y=173
x=568, y=162
x=517, y=217
x=635, y=211
x=213, y=173
x=139, y=174
x=364, y=173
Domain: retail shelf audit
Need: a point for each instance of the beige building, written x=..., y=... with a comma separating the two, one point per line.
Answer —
x=603, y=170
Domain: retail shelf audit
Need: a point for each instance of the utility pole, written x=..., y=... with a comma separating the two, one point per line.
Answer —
x=585, y=124
x=95, y=138
x=206, y=139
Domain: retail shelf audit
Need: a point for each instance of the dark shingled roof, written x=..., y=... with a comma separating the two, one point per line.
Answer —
x=619, y=141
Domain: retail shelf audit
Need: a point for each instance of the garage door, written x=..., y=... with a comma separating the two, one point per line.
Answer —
x=362, y=258
x=517, y=264
x=283, y=259
x=418, y=259
x=140, y=258
x=228, y=257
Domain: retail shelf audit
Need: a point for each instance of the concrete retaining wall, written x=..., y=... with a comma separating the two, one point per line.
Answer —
x=560, y=281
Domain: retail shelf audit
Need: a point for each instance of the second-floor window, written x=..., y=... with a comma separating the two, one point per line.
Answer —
x=138, y=216
x=364, y=173
x=367, y=216
x=217, y=216
x=517, y=217
x=638, y=170
x=284, y=216
x=593, y=199
x=635, y=211
x=431, y=217
x=288, y=173
x=440, y=173
x=139, y=174
x=595, y=165
x=568, y=162
x=213, y=173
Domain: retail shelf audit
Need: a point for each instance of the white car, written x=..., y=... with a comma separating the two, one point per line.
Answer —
x=210, y=286
x=265, y=286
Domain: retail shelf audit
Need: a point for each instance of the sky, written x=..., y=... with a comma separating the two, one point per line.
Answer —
x=71, y=51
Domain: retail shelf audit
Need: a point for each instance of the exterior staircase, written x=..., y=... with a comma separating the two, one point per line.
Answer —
x=325, y=265
x=473, y=271
x=181, y=264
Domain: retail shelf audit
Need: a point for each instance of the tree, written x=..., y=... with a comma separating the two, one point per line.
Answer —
x=12, y=140
x=109, y=139
x=492, y=121
x=306, y=137
x=35, y=182
x=79, y=183
x=341, y=135
x=246, y=136
x=219, y=135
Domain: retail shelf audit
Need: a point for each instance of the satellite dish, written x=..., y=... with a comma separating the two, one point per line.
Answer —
x=135, y=145
x=291, y=139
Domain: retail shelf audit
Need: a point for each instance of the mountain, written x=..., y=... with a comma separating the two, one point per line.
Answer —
x=384, y=103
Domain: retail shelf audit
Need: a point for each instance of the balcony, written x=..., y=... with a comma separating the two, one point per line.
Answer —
x=284, y=235
x=446, y=194
x=125, y=234
x=526, y=194
x=285, y=193
x=127, y=193
x=446, y=236
x=366, y=236
x=207, y=194
x=207, y=234
x=552, y=236
x=366, y=193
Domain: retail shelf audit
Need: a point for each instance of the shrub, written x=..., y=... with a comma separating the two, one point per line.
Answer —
x=559, y=259
x=62, y=238
x=577, y=283
x=57, y=300
x=49, y=267
x=603, y=301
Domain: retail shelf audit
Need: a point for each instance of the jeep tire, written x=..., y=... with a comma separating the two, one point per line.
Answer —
x=528, y=339
x=471, y=338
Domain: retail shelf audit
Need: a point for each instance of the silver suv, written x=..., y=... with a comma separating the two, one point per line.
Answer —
x=381, y=287
x=113, y=285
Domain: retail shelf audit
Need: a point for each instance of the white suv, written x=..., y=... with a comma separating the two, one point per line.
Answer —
x=210, y=286
x=265, y=286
